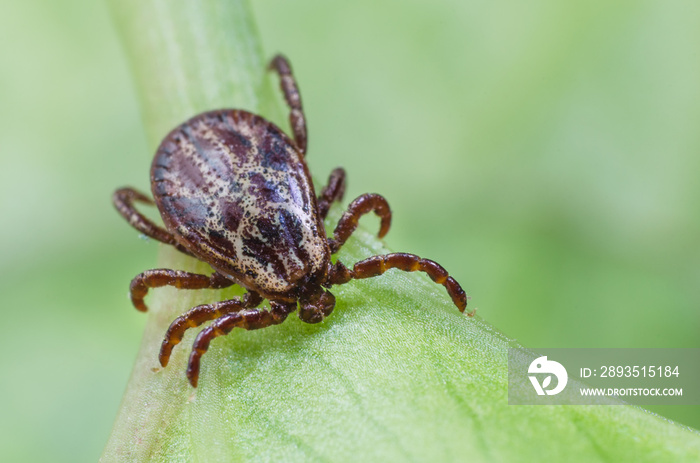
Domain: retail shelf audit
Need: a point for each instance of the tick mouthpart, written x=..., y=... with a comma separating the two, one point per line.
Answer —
x=318, y=307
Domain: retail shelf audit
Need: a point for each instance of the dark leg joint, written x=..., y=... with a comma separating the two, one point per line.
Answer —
x=368, y=268
x=333, y=191
x=124, y=199
x=364, y=204
x=377, y=265
x=339, y=274
x=251, y=319
x=165, y=277
x=201, y=314
x=291, y=94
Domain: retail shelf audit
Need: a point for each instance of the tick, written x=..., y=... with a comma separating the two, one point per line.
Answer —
x=234, y=191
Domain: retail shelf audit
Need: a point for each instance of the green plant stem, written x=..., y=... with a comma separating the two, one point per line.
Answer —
x=396, y=373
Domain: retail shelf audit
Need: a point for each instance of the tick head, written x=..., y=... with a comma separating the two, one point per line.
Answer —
x=318, y=305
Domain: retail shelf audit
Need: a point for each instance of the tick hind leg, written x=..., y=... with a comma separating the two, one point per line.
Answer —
x=200, y=314
x=165, y=277
x=291, y=94
x=249, y=319
x=333, y=191
x=124, y=199
x=347, y=224
x=377, y=265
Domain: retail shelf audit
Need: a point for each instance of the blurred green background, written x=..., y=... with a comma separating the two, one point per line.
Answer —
x=546, y=153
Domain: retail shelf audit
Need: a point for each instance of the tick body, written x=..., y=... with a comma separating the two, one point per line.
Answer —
x=234, y=191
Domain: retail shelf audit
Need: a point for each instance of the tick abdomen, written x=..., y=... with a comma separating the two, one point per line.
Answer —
x=236, y=192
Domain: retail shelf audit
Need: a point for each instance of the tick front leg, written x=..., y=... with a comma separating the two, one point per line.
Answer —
x=124, y=199
x=333, y=191
x=347, y=224
x=251, y=319
x=200, y=314
x=376, y=265
x=291, y=93
x=177, y=278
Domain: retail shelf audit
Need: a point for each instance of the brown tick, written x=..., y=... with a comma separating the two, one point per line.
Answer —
x=234, y=191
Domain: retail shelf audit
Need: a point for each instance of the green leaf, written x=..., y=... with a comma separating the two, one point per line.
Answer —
x=396, y=373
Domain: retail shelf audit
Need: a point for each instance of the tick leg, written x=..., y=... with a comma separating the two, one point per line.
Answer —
x=333, y=191
x=291, y=93
x=177, y=278
x=249, y=319
x=198, y=315
x=124, y=199
x=348, y=222
x=376, y=265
